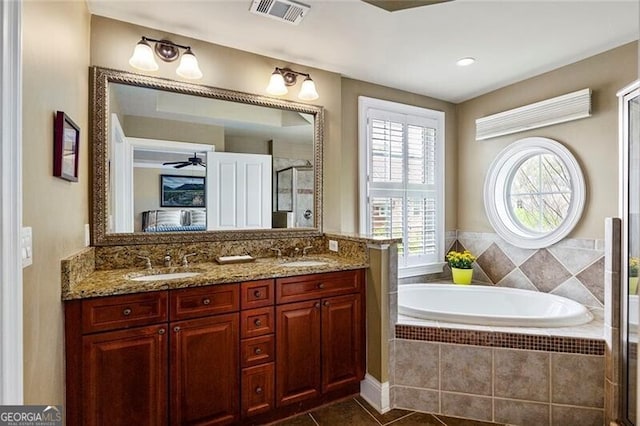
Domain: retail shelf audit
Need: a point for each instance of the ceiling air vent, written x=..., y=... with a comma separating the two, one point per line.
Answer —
x=560, y=109
x=282, y=10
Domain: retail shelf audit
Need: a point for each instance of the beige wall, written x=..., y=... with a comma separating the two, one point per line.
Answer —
x=112, y=43
x=593, y=141
x=54, y=78
x=351, y=89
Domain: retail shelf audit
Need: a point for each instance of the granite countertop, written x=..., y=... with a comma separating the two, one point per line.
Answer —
x=117, y=281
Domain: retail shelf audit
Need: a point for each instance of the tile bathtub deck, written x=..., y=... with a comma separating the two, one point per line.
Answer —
x=355, y=411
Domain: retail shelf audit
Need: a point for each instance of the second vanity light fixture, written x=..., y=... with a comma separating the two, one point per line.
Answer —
x=283, y=77
x=168, y=51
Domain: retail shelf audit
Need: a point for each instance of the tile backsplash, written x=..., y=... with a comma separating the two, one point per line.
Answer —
x=573, y=268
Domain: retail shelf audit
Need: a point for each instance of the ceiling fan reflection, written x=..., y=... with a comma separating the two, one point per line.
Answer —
x=191, y=161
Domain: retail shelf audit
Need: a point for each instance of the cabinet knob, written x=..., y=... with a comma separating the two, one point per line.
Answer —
x=317, y=305
x=320, y=285
x=161, y=331
x=257, y=293
x=176, y=328
x=258, y=389
x=257, y=351
x=206, y=301
x=126, y=312
x=257, y=322
x=326, y=303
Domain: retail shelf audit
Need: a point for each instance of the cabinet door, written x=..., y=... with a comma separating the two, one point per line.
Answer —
x=257, y=389
x=205, y=371
x=125, y=377
x=297, y=352
x=342, y=341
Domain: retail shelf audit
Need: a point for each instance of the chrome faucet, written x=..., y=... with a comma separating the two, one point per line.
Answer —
x=306, y=249
x=147, y=263
x=185, y=262
x=167, y=260
x=278, y=252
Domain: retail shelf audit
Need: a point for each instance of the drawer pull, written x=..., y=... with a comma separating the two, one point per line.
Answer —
x=176, y=329
x=257, y=294
x=126, y=312
x=326, y=303
x=257, y=322
x=320, y=285
x=257, y=351
x=258, y=390
x=317, y=305
x=161, y=331
x=206, y=301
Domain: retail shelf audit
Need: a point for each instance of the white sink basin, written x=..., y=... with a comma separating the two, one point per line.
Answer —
x=302, y=263
x=161, y=277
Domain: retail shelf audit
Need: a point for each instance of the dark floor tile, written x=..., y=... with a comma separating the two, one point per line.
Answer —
x=347, y=412
x=301, y=420
x=456, y=421
x=385, y=418
x=417, y=419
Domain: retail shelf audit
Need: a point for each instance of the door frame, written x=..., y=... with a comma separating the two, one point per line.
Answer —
x=11, y=310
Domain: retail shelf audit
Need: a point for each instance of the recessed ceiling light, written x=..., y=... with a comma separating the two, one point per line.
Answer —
x=464, y=62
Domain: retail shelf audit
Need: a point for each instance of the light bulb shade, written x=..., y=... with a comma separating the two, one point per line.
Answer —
x=276, y=84
x=308, y=90
x=142, y=57
x=188, y=67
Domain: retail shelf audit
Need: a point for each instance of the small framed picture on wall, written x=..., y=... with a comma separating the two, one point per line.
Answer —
x=66, y=141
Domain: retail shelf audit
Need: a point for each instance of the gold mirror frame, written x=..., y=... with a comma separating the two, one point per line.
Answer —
x=99, y=123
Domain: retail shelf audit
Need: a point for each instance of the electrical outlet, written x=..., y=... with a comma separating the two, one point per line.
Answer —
x=87, y=235
x=27, y=246
x=333, y=245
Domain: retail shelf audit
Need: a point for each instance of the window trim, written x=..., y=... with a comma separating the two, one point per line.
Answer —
x=366, y=103
x=498, y=179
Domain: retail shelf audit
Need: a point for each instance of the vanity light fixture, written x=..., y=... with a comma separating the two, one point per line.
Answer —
x=168, y=51
x=283, y=77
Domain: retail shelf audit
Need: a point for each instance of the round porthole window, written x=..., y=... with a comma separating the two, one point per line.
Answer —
x=534, y=193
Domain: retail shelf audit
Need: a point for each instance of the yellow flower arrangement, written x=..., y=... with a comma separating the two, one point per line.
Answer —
x=460, y=260
x=634, y=263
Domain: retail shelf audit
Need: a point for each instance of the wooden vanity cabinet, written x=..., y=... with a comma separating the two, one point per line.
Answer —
x=242, y=353
x=204, y=358
x=116, y=360
x=319, y=341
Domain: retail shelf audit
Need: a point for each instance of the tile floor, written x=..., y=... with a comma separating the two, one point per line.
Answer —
x=356, y=411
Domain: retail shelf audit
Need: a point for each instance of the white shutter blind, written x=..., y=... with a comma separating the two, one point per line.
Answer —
x=402, y=178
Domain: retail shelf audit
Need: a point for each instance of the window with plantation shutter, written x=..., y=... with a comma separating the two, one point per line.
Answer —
x=402, y=181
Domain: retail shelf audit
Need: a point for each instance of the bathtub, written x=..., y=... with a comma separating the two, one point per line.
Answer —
x=485, y=305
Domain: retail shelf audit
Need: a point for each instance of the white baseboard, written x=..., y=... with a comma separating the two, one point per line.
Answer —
x=375, y=393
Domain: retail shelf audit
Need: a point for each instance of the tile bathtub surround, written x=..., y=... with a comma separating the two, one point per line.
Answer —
x=512, y=386
x=572, y=268
x=535, y=342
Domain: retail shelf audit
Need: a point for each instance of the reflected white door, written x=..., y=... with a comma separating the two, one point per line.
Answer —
x=238, y=191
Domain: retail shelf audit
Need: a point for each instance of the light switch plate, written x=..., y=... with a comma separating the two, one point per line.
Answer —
x=87, y=235
x=27, y=246
x=333, y=245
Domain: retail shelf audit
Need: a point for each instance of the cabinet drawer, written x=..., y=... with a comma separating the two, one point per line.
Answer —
x=257, y=389
x=203, y=301
x=306, y=287
x=256, y=294
x=257, y=322
x=112, y=313
x=257, y=350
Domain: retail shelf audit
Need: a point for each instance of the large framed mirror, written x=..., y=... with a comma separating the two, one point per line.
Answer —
x=180, y=162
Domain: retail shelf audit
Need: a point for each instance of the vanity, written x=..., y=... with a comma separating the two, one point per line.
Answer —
x=207, y=343
x=200, y=352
